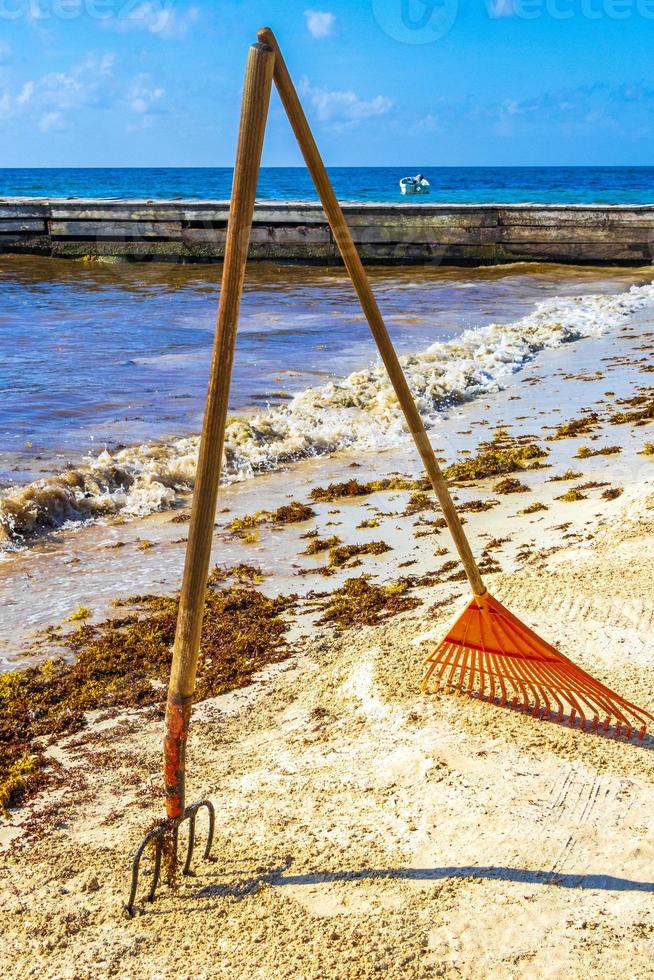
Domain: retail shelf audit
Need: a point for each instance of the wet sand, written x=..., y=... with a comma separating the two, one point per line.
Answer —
x=364, y=829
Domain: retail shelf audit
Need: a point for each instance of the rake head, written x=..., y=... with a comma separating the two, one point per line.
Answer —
x=163, y=839
x=490, y=654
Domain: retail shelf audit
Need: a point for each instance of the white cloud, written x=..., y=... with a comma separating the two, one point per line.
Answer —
x=26, y=93
x=142, y=98
x=428, y=124
x=50, y=121
x=157, y=17
x=342, y=106
x=320, y=23
x=53, y=94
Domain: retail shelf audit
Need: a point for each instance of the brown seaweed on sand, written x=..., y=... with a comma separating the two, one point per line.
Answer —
x=317, y=545
x=123, y=663
x=585, y=453
x=345, y=553
x=642, y=410
x=353, y=488
x=510, y=485
x=576, y=427
x=358, y=602
x=293, y=513
x=492, y=460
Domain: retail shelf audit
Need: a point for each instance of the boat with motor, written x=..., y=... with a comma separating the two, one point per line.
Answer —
x=414, y=185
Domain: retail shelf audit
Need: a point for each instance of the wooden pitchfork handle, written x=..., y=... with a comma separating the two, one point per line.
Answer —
x=354, y=266
x=254, y=113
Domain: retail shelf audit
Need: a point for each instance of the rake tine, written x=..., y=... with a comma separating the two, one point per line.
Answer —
x=520, y=667
x=589, y=691
x=489, y=643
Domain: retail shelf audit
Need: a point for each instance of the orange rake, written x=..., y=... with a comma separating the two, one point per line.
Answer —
x=490, y=654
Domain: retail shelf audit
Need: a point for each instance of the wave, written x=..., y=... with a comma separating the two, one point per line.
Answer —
x=359, y=412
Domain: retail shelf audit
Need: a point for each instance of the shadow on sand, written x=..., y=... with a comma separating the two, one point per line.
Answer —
x=281, y=877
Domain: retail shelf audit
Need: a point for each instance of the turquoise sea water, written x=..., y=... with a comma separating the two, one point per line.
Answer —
x=547, y=185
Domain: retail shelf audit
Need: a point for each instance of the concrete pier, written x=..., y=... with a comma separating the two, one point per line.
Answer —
x=411, y=233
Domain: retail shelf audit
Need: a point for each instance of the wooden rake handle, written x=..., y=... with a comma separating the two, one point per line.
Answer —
x=254, y=113
x=354, y=266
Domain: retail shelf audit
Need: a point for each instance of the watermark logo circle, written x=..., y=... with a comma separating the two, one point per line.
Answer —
x=415, y=21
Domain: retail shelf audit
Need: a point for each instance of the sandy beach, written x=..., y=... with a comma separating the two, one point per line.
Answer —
x=326, y=490
x=365, y=829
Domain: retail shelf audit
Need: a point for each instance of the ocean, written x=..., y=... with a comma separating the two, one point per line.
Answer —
x=544, y=185
x=103, y=382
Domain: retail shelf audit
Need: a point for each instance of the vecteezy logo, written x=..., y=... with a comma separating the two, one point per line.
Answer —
x=415, y=21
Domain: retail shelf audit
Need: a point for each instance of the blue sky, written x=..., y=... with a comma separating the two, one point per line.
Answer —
x=402, y=82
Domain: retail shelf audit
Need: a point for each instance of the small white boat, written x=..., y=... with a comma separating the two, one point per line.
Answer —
x=414, y=185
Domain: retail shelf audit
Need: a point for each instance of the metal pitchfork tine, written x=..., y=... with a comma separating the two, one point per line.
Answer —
x=254, y=112
x=157, y=836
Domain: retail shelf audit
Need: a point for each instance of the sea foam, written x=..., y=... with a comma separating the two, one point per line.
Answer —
x=359, y=412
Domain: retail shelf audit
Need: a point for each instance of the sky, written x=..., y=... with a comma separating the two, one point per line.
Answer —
x=384, y=82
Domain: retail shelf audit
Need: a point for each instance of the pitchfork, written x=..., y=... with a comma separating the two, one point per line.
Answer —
x=164, y=838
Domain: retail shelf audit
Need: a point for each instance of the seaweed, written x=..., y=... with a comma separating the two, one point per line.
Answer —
x=478, y=506
x=447, y=567
x=345, y=553
x=418, y=502
x=612, y=493
x=576, y=427
x=80, y=614
x=638, y=415
x=125, y=662
x=242, y=573
x=369, y=522
x=360, y=603
x=317, y=545
x=487, y=565
x=572, y=495
x=534, y=508
x=353, y=488
x=440, y=604
x=585, y=453
x=247, y=522
x=591, y=485
x=510, y=485
x=496, y=543
x=568, y=475
x=495, y=461
x=433, y=526
x=293, y=513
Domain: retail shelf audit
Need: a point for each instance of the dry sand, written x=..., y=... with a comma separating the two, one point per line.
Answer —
x=365, y=830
